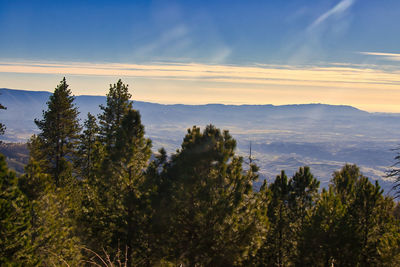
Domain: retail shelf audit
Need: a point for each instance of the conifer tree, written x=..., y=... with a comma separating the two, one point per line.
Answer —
x=323, y=234
x=48, y=182
x=114, y=209
x=89, y=149
x=15, y=228
x=155, y=245
x=54, y=227
x=59, y=131
x=130, y=161
x=53, y=232
x=212, y=216
x=302, y=197
x=351, y=224
x=364, y=216
x=303, y=192
x=117, y=106
x=344, y=184
x=132, y=148
x=278, y=248
x=371, y=221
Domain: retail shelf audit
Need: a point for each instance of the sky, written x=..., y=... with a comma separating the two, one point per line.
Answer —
x=341, y=52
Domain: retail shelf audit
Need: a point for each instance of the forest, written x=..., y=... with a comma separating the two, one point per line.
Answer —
x=95, y=194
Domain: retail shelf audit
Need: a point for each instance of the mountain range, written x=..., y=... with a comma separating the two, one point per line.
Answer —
x=324, y=137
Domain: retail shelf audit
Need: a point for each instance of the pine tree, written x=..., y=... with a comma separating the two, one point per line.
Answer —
x=303, y=194
x=132, y=149
x=15, y=228
x=117, y=106
x=89, y=149
x=59, y=131
x=53, y=232
x=371, y=222
x=130, y=163
x=344, y=184
x=155, y=245
x=114, y=199
x=48, y=181
x=278, y=247
x=323, y=234
x=352, y=224
x=211, y=215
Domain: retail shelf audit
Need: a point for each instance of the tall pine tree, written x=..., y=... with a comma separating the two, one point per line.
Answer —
x=113, y=216
x=59, y=131
x=117, y=106
x=48, y=181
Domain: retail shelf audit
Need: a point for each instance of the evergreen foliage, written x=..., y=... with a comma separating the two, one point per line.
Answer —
x=323, y=233
x=54, y=228
x=88, y=150
x=15, y=227
x=278, y=246
x=212, y=216
x=48, y=182
x=113, y=193
x=302, y=198
x=117, y=106
x=59, y=129
x=351, y=223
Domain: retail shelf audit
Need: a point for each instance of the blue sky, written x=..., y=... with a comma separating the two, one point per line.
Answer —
x=251, y=49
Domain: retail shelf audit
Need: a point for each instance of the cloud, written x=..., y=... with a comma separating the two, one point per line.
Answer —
x=341, y=7
x=386, y=56
x=221, y=55
x=331, y=76
x=314, y=42
x=166, y=39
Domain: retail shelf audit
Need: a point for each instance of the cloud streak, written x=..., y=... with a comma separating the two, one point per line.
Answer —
x=341, y=7
x=386, y=56
x=331, y=76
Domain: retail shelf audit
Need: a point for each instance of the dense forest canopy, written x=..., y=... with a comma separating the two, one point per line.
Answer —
x=96, y=194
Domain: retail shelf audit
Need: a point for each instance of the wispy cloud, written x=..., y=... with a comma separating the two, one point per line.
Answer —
x=171, y=37
x=309, y=45
x=331, y=76
x=386, y=56
x=338, y=9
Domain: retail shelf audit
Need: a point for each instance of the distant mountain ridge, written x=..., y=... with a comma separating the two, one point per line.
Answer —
x=17, y=94
x=16, y=101
x=24, y=106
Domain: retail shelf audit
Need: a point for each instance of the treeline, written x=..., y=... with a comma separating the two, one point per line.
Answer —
x=97, y=195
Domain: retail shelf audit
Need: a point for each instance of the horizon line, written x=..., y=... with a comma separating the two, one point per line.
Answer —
x=216, y=103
